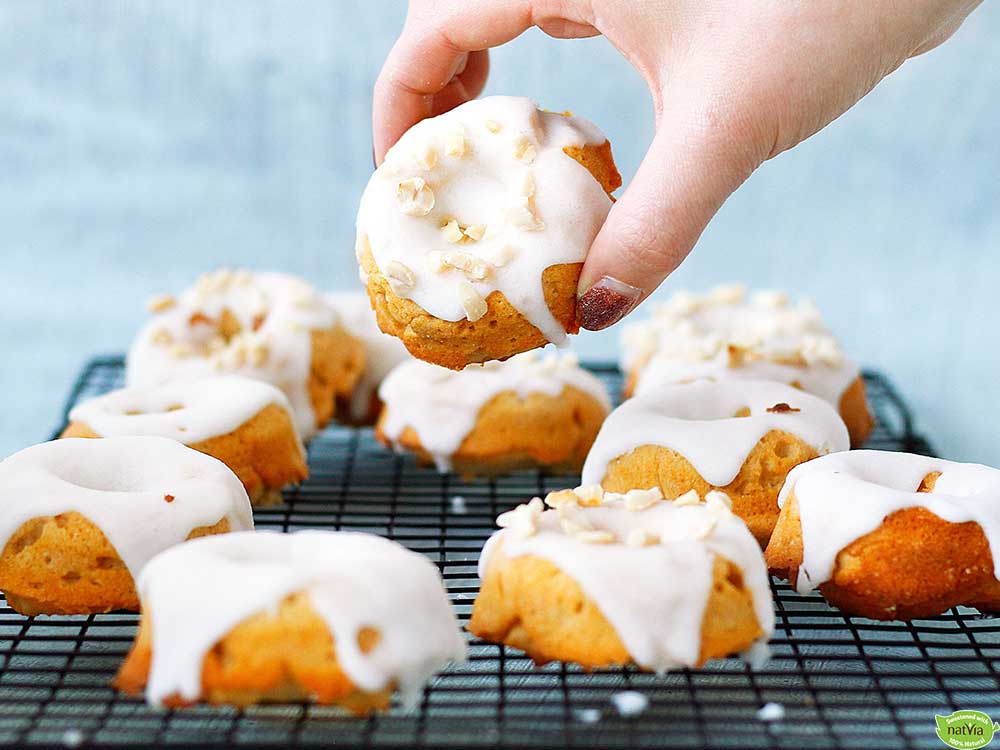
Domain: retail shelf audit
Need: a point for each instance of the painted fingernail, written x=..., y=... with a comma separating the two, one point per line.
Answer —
x=605, y=303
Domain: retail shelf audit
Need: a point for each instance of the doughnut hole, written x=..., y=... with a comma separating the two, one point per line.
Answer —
x=503, y=331
x=264, y=452
x=64, y=564
x=513, y=433
x=915, y=564
x=254, y=662
x=754, y=491
x=529, y=603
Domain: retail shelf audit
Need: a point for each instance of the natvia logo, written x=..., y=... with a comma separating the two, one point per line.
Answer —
x=966, y=730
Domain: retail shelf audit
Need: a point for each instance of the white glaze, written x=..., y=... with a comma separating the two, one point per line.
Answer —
x=727, y=333
x=120, y=484
x=353, y=581
x=480, y=188
x=442, y=405
x=188, y=412
x=170, y=347
x=382, y=351
x=653, y=596
x=698, y=421
x=844, y=496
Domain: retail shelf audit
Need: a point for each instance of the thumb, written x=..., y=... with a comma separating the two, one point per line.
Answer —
x=696, y=160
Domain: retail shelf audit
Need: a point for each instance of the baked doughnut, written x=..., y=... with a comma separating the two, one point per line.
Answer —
x=331, y=616
x=728, y=334
x=890, y=536
x=80, y=518
x=492, y=419
x=472, y=233
x=266, y=326
x=606, y=579
x=247, y=424
x=382, y=353
x=738, y=436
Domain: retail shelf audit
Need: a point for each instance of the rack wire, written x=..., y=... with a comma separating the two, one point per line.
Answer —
x=841, y=681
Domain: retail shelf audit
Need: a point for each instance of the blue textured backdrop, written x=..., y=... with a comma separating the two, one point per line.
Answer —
x=144, y=142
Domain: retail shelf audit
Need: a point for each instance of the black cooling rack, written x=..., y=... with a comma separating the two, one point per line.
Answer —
x=841, y=681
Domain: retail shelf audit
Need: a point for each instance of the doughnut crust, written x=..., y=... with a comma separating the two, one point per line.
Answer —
x=754, y=491
x=285, y=656
x=512, y=433
x=65, y=565
x=528, y=603
x=503, y=331
x=915, y=564
x=263, y=452
x=338, y=359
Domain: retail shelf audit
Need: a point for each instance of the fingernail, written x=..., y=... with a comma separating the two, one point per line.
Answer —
x=605, y=303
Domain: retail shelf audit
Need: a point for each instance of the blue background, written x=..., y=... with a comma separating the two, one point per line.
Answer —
x=142, y=143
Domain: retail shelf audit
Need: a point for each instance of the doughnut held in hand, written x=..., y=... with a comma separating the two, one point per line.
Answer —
x=738, y=436
x=486, y=420
x=891, y=536
x=727, y=333
x=247, y=424
x=334, y=617
x=266, y=326
x=604, y=579
x=80, y=518
x=473, y=231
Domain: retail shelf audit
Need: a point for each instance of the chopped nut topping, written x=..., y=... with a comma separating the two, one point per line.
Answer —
x=425, y=156
x=561, y=498
x=770, y=298
x=523, y=520
x=502, y=256
x=782, y=408
x=590, y=494
x=718, y=500
x=472, y=301
x=521, y=216
x=727, y=294
x=161, y=303
x=401, y=278
x=688, y=498
x=452, y=232
x=641, y=538
x=455, y=143
x=636, y=500
x=821, y=349
x=259, y=355
x=493, y=126
x=181, y=350
x=415, y=198
x=571, y=526
x=473, y=267
x=597, y=536
x=524, y=150
x=475, y=232
x=162, y=336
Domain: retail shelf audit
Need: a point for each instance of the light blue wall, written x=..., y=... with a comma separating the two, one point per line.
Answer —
x=143, y=142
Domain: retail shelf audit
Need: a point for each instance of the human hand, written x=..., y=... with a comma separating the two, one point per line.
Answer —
x=734, y=83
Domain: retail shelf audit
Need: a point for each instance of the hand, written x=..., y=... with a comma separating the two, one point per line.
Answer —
x=734, y=83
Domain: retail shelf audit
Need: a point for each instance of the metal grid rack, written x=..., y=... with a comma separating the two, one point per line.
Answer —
x=842, y=681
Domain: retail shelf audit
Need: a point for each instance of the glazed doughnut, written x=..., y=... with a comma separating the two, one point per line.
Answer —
x=729, y=334
x=80, y=518
x=335, y=617
x=607, y=579
x=738, y=436
x=891, y=536
x=247, y=424
x=472, y=233
x=266, y=326
x=382, y=353
x=492, y=419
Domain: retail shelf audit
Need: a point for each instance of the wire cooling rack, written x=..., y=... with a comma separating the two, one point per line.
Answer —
x=841, y=681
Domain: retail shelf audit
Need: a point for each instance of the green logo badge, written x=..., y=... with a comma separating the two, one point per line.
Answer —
x=966, y=730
